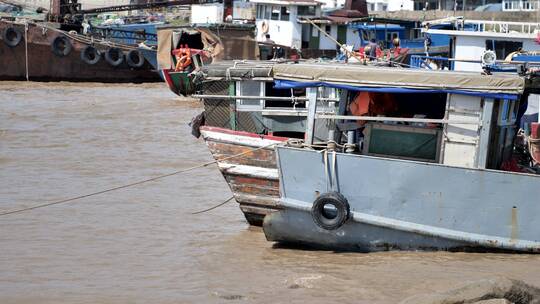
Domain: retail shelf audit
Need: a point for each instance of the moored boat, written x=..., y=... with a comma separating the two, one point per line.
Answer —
x=41, y=52
x=243, y=113
x=429, y=169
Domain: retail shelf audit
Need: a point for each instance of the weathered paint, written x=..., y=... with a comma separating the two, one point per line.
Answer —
x=407, y=204
x=253, y=177
x=44, y=65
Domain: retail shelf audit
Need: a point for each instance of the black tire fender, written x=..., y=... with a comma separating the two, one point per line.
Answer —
x=114, y=56
x=334, y=218
x=12, y=36
x=90, y=55
x=135, y=59
x=61, y=46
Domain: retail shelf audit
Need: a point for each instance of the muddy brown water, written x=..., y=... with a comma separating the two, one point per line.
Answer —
x=142, y=244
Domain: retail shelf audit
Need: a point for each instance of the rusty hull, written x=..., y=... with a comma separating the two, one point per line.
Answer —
x=44, y=65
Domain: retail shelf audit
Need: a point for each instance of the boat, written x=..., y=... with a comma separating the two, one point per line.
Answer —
x=40, y=51
x=504, y=41
x=197, y=45
x=243, y=112
x=429, y=168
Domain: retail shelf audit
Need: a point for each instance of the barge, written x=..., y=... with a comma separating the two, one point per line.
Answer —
x=41, y=52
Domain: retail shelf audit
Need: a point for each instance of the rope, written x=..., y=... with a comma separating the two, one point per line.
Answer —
x=134, y=183
x=26, y=48
x=214, y=207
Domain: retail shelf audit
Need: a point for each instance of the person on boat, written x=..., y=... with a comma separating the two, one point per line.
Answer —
x=427, y=40
x=268, y=40
x=372, y=45
x=396, y=49
x=373, y=104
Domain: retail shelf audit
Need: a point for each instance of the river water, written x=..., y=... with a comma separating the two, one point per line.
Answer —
x=142, y=244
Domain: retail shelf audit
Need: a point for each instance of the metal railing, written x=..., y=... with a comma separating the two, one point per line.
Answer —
x=431, y=62
x=504, y=27
x=519, y=5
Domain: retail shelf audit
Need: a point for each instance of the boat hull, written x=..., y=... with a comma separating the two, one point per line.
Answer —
x=399, y=204
x=252, y=177
x=44, y=65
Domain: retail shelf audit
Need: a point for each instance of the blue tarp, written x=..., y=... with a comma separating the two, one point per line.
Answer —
x=288, y=84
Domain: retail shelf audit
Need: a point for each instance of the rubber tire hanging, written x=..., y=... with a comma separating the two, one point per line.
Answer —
x=114, y=56
x=135, y=58
x=12, y=36
x=90, y=55
x=321, y=216
x=61, y=46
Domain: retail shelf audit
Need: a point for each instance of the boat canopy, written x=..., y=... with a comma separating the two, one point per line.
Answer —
x=395, y=80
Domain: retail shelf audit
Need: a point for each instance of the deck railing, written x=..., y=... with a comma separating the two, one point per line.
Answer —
x=504, y=27
x=519, y=5
x=431, y=62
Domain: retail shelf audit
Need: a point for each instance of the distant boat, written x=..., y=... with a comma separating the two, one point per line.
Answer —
x=41, y=52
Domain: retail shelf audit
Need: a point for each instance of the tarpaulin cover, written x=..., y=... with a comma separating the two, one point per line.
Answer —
x=221, y=42
x=164, y=49
x=287, y=84
x=397, y=80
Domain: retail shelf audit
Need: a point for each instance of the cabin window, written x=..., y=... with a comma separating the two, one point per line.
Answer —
x=249, y=88
x=408, y=140
x=503, y=48
x=260, y=11
x=267, y=11
x=285, y=13
x=305, y=10
x=273, y=92
x=193, y=40
x=275, y=13
x=328, y=29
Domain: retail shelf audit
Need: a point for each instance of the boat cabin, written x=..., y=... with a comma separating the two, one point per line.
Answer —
x=242, y=96
x=452, y=118
x=470, y=39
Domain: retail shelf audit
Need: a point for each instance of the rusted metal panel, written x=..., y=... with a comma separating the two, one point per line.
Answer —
x=44, y=65
x=406, y=204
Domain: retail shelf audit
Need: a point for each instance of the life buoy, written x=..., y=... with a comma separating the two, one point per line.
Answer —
x=61, y=46
x=264, y=27
x=183, y=59
x=12, y=37
x=114, y=56
x=90, y=55
x=330, y=210
x=135, y=59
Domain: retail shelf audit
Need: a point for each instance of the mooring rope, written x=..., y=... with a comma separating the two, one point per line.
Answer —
x=214, y=207
x=141, y=182
x=26, y=49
